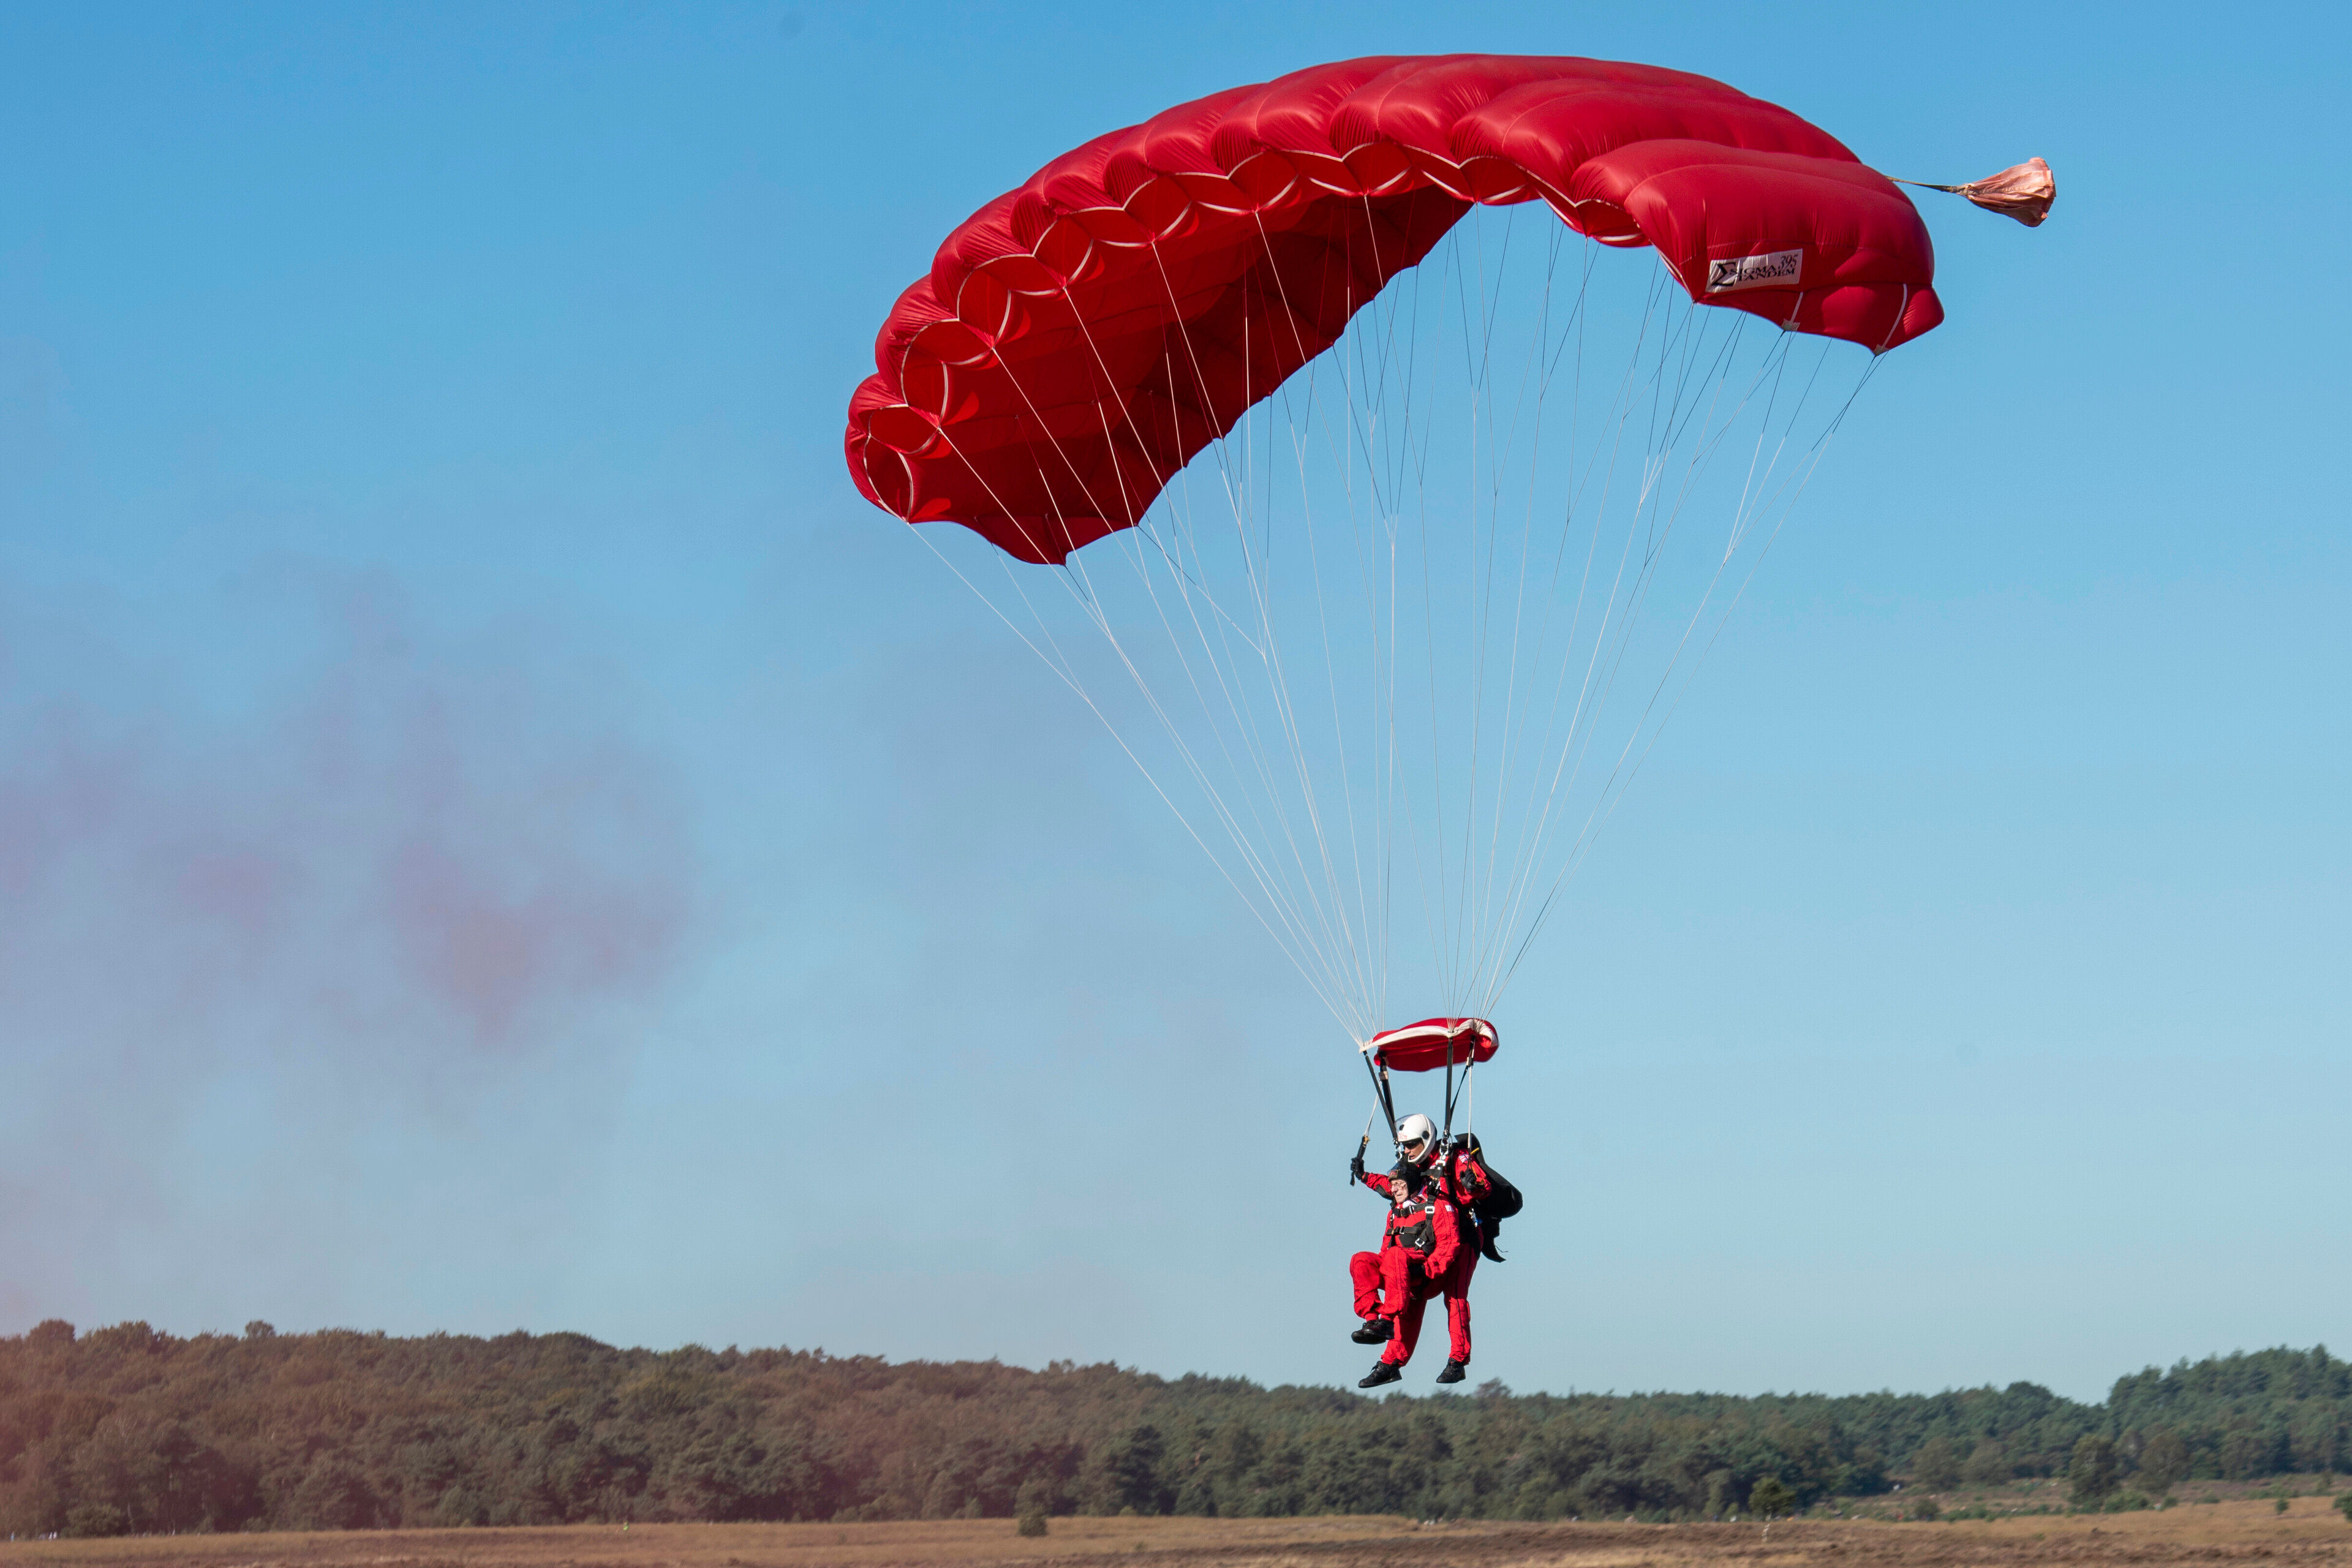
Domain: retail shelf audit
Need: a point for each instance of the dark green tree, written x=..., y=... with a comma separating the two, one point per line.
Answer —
x=126, y=1429
x=2163, y=1462
x=2092, y=1474
x=1131, y=1472
x=1988, y=1464
x=87, y=1519
x=1030, y=1508
x=2246, y=1453
x=1770, y=1499
x=1937, y=1466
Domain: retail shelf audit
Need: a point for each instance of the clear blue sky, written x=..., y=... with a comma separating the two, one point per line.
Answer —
x=495, y=832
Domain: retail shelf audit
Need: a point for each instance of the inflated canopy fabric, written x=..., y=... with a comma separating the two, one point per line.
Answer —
x=1425, y=1047
x=1080, y=338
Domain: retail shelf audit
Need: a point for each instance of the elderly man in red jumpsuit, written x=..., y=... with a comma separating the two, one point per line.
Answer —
x=1424, y=1252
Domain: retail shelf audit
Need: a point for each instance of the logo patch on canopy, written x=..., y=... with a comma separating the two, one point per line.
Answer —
x=1780, y=269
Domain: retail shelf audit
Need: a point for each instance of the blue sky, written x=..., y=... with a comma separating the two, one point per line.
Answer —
x=494, y=832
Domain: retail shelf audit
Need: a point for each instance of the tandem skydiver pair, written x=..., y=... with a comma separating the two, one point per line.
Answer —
x=1445, y=1204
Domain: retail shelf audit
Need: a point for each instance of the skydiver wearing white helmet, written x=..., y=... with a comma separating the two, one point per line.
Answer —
x=1422, y=1255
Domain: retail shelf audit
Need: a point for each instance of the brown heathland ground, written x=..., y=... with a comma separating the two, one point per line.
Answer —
x=2312, y=1531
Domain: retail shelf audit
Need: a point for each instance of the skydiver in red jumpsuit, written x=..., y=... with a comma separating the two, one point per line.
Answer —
x=1424, y=1252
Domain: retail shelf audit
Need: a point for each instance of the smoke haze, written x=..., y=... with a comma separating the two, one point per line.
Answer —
x=424, y=869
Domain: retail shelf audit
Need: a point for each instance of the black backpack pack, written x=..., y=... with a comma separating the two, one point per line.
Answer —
x=1502, y=1199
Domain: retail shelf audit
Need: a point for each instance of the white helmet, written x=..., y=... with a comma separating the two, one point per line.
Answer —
x=1416, y=1129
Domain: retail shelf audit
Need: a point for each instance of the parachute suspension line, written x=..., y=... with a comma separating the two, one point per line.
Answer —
x=1480, y=538
x=1293, y=735
x=1611, y=620
x=1333, y=910
x=1348, y=364
x=1794, y=491
x=1439, y=836
x=1472, y=923
x=1442, y=900
x=1501, y=442
x=1400, y=805
x=1668, y=420
x=1367, y=385
x=1069, y=680
x=1453, y=307
x=1364, y=384
x=1371, y=987
x=1367, y=377
x=1183, y=583
x=1461, y=988
x=1409, y=459
x=1226, y=626
x=1090, y=601
x=1365, y=433
x=1483, y=341
x=1677, y=411
x=1331, y=680
x=1511, y=764
x=1574, y=332
x=1090, y=605
x=1536, y=360
x=1380, y=692
x=1284, y=907
x=1477, y=351
x=1482, y=869
x=1515, y=733
x=1654, y=532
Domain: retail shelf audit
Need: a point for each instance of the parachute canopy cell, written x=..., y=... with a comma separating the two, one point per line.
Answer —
x=1080, y=338
x=1434, y=1042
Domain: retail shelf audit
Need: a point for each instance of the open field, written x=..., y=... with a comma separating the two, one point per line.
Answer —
x=2311, y=1532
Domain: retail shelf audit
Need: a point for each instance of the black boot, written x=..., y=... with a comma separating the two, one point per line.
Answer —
x=1382, y=1372
x=1452, y=1372
x=1373, y=1331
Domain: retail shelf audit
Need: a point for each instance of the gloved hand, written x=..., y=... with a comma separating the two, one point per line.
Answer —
x=1356, y=1167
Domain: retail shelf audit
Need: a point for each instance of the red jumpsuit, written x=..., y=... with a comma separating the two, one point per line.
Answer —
x=1422, y=1255
x=1466, y=1183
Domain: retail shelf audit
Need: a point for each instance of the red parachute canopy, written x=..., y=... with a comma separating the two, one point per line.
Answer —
x=1425, y=1047
x=1078, y=340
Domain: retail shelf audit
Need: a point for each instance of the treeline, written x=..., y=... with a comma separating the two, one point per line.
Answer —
x=125, y=1429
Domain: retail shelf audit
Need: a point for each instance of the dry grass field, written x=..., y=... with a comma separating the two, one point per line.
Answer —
x=2311, y=1532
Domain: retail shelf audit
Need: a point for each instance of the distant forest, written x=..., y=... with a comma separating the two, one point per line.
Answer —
x=125, y=1429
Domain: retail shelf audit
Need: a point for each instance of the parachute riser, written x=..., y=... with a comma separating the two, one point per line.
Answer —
x=1380, y=1093
x=1363, y=1144
x=1452, y=1099
x=1446, y=1134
